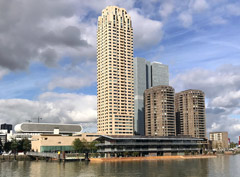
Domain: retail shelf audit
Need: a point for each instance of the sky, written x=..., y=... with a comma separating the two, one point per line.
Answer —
x=48, y=56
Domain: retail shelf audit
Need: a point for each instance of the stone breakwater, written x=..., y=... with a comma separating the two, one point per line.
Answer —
x=115, y=159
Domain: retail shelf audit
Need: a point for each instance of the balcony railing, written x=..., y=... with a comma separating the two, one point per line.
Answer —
x=148, y=150
x=146, y=143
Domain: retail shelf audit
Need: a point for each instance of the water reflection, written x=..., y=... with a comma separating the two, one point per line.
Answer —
x=221, y=166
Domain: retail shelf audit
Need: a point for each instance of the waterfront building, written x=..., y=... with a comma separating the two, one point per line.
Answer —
x=55, y=143
x=47, y=128
x=159, y=111
x=146, y=75
x=113, y=146
x=190, y=113
x=115, y=82
x=219, y=140
x=7, y=127
x=3, y=139
x=27, y=130
x=4, y=133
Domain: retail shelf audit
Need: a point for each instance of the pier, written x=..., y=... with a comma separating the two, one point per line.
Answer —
x=55, y=156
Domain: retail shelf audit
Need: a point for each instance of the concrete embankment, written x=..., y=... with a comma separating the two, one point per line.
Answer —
x=115, y=159
x=12, y=157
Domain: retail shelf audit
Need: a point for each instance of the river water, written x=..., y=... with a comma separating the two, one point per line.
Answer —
x=227, y=166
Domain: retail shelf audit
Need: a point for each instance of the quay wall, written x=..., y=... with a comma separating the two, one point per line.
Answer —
x=114, y=159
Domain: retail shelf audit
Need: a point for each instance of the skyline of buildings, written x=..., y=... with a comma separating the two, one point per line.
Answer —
x=133, y=95
x=115, y=84
x=120, y=100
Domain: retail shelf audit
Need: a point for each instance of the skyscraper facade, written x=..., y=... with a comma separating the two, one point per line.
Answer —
x=190, y=113
x=159, y=111
x=115, y=77
x=159, y=74
x=146, y=75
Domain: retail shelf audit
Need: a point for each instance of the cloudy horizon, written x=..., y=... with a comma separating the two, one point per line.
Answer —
x=48, y=56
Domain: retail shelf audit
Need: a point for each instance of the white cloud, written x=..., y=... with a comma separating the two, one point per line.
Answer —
x=233, y=9
x=146, y=32
x=52, y=107
x=223, y=80
x=74, y=76
x=3, y=72
x=218, y=20
x=198, y=5
x=229, y=99
x=166, y=9
x=185, y=18
x=71, y=82
x=57, y=30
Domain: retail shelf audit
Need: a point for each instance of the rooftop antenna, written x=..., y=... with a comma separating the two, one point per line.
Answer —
x=39, y=118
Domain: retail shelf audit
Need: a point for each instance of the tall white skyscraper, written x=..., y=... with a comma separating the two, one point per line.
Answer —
x=115, y=82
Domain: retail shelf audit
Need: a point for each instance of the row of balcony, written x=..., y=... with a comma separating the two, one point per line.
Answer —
x=148, y=149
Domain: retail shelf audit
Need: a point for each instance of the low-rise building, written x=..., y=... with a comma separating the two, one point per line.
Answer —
x=148, y=146
x=56, y=142
x=4, y=132
x=219, y=140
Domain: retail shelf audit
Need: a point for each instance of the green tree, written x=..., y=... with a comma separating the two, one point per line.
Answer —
x=135, y=154
x=84, y=146
x=1, y=145
x=78, y=145
x=20, y=145
x=7, y=146
x=26, y=145
x=14, y=146
x=92, y=147
x=233, y=145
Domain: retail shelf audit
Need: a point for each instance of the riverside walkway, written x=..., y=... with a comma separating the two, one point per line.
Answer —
x=52, y=155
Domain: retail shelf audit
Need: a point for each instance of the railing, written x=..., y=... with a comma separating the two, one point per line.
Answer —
x=44, y=154
x=146, y=143
x=55, y=155
x=149, y=150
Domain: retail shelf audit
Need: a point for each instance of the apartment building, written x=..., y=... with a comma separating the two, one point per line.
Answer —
x=219, y=140
x=159, y=111
x=190, y=113
x=115, y=77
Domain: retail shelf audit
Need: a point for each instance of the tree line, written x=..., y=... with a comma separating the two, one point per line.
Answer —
x=15, y=146
x=82, y=146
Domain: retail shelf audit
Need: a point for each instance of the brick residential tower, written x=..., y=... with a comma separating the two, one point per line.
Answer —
x=190, y=113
